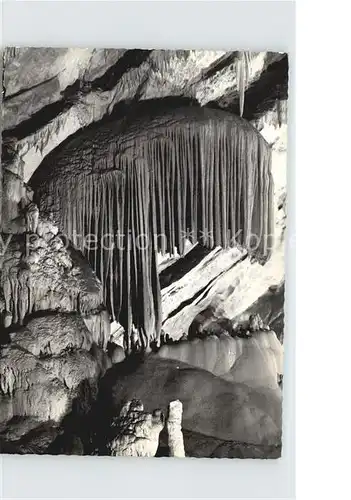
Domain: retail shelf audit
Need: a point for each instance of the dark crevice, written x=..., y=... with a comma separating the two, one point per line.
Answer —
x=150, y=107
x=131, y=59
x=204, y=290
x=220, y=64
x=259, y=98
x=28, y=89
x=37, y=120
x=183, y=265
x=189, y=301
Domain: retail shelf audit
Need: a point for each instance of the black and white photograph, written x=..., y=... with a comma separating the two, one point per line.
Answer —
x=142, y=252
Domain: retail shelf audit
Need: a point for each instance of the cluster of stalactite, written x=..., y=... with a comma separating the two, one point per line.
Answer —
x=206, y=180
x=39, y=274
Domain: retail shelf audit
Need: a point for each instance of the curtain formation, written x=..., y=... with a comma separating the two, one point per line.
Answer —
x=125, y=193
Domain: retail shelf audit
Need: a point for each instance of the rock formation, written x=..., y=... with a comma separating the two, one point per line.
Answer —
x=41, y=271
x=174, y=429
x=136, y=432
x=50, y=296
x=121, y=82
x=173, y=166
x=222, y=409
x=256, y=361
x=187, y=144
x=43, y=365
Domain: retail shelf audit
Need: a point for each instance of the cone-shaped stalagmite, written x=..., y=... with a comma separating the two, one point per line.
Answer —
x=124, y=191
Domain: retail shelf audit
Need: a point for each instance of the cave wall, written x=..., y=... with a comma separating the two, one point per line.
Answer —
x=74, y=89
x=95, y=84
x=77, y=87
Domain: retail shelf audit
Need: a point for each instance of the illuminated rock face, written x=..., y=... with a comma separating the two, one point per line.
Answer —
x=256, y=361
x=93, y=81
x=212, y=406
x=137, y=431
x=43, y=365
x=42, y=272
x=53, y=327
x=174, y=429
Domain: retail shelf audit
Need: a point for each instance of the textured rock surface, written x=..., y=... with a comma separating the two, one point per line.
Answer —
x=51, y=336
x=270, y=306
x=256, y=361
x=27, y=92
x=174, y=429
x=211, y=406
x=226, y=280
x=72, y=80
x=200, y=154
x=198, y=445
x=43, y=366
x=53, y=328
x=117, y=82
x=137, y=431
x=41, y=272
x=43, y=371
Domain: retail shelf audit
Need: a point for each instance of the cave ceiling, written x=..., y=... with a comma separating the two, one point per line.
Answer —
x=76, y=87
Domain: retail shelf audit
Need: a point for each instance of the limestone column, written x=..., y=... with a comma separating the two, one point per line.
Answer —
x=174, y=428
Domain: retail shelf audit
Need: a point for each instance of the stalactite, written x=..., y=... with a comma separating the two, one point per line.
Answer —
x=14, y=293
x=198, y=174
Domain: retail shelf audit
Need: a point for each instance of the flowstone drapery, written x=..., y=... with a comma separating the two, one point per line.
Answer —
x=124, y=190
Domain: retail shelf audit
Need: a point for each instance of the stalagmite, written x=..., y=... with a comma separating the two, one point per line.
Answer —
x=174, y=429
x=32, y=217
x=7, y=319
x=197, y=174
x=136, y=431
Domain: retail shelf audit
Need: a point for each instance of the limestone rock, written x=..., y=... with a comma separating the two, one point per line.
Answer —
x=43, y=368
x=174, y=429
x=12, y=193
x=199, y=445
x=227, y=385
x=214, y=354
x=72, y=367
x=26, y=92
x=270, y=306
x=99, y=326
x=116, y=353
x=53, y=335
x=255, y=361
x=19, y=369
x=105, y=78
x=43, y=272
x=103, y=360
x=32, y=217
x=212, y=406
x=17, y=427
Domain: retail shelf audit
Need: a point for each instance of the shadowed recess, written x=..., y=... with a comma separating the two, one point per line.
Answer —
x=123, y=191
